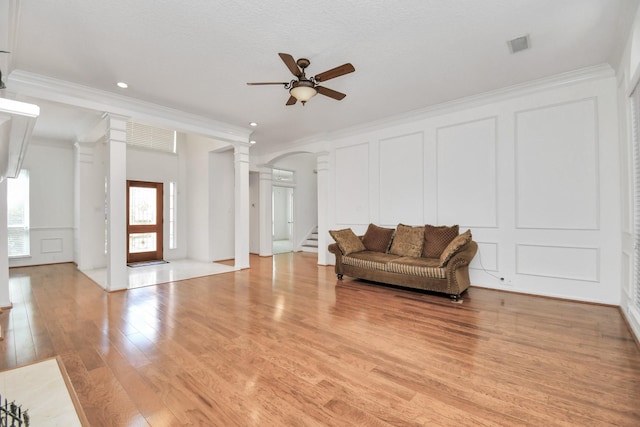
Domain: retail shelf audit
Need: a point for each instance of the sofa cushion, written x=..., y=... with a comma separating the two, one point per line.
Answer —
x=369, y=259
x=377, y=238
x=453, y=247
x=347, y=241
x=407, y=241
x=422, y=267
x=436, y=239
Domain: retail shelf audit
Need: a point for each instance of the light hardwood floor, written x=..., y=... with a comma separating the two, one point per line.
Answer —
x=285, y=344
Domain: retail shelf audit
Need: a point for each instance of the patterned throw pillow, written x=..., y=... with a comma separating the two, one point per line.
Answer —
x=377, y=238
x=347, y=241
x=453, y=247
x=436, y=239
x=407, y=241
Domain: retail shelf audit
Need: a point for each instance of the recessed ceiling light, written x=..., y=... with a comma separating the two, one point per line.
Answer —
x=252, y=142
x=122, y=85
x=253, y=124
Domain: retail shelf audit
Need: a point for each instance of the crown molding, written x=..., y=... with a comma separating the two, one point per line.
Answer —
x=39, y=86
x=557, y=81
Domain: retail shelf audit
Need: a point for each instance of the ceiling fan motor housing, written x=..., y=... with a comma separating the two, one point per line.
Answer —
x=303, y=63
x=305, y=88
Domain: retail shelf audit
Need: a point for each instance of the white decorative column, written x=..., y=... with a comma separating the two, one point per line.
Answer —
x=323, y=201
x=117, y=276
x=83, y=207
x=241, y=167
x=266, y=238
x=5, y=298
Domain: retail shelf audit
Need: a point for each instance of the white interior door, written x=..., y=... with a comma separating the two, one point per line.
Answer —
x=282, y=219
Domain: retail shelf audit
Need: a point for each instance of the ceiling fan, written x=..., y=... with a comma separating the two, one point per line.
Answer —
x=305, y=88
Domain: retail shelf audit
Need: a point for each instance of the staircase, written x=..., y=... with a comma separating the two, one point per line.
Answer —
x=311, y=243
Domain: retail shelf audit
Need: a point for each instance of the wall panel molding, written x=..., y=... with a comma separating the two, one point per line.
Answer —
x=352, y=176
x=557, y=168
x=560, y=262
x=49, y=246
x=486, y=258
x=401, y=178
x=467, y=173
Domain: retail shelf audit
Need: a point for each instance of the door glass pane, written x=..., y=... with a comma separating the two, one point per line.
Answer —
x=142, y=206
x=142, y=242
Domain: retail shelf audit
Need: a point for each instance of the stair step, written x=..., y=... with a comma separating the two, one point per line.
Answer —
x=306, y=248
x=310, y=242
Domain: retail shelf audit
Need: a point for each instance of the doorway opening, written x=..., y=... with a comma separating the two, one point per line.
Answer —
x=282, y=220
x=144, y=221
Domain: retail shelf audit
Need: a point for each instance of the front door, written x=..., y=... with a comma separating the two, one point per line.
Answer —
x=144, y=221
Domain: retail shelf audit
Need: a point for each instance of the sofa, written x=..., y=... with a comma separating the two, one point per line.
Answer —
x=431, y=258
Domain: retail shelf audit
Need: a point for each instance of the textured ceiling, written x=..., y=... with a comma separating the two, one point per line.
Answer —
x=196, y=56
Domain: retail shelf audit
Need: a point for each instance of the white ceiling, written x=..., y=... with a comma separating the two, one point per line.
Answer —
x=196, y=56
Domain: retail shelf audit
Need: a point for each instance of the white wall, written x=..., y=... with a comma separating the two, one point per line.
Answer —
x=527, y=169
x=89, y=200
x=221, y=205
x=197, y=149
x=51, y=173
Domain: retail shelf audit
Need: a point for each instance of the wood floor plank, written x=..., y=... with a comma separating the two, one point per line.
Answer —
x=285, y=344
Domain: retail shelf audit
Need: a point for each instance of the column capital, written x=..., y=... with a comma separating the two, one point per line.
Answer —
x=114, y=116
x=241, y=154
x=265, y=174
x=322, y=164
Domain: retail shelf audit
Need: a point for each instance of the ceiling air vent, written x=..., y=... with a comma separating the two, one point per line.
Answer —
x=519, y=43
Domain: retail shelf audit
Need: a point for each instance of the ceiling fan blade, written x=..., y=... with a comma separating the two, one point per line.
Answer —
x=330, y=93
x=292, y=100
x=290, y=63
x=335, y=72
x=267, y=83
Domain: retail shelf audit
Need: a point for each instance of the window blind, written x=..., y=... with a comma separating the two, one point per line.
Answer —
x=151, y=137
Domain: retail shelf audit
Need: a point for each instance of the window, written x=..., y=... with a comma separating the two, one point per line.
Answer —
x=151, y=137
x=18, y=215
x=172, y=216
x=282, y=175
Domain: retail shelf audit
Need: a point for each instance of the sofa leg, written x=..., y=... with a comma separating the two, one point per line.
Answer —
x=339, y=276
x=454, y=297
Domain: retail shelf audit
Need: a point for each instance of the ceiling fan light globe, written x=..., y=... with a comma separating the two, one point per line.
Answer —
x=303, y=93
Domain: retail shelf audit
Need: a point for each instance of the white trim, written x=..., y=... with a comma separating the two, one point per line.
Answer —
x=35, y=85
x=633, y=317
x=496, y=178
x=595, y=250
x=516, y=145
x=557, y=81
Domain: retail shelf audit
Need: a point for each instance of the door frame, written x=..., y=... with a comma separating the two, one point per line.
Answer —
x=157, y=228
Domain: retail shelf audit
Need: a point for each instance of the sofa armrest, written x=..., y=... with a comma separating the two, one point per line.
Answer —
x=464, y=255
x=334, y=249
x=458, y=268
